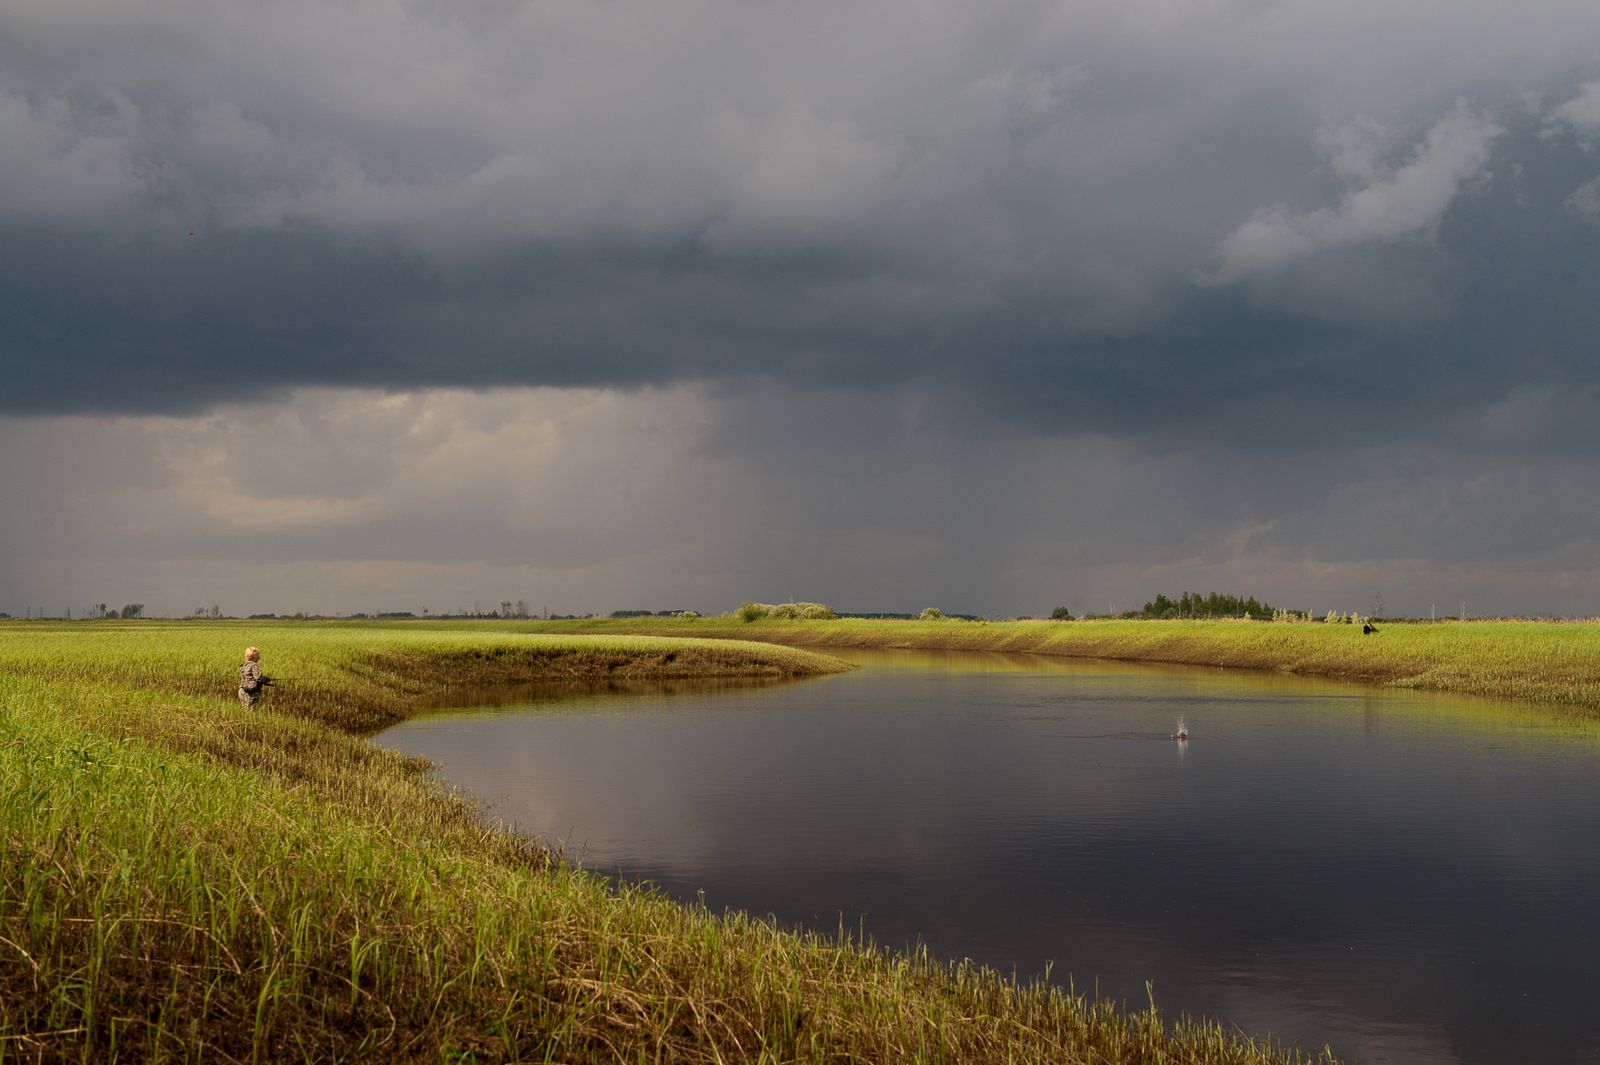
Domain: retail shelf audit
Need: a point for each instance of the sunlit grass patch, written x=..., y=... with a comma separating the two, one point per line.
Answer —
x=361, y=677
x=1550, y=662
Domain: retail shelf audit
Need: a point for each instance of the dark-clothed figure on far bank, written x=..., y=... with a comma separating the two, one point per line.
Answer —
x=252, y=682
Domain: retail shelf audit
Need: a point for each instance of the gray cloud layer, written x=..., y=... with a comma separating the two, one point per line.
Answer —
x=1299, y=268
x=1108, y=202
x=594, y=499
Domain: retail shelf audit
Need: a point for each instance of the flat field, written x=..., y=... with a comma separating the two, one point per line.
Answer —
x=1549, y=662
x=182, y=879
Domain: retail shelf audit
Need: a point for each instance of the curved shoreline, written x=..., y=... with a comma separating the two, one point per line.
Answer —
x=1554, y=663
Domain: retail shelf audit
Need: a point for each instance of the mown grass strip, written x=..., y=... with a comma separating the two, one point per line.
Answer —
x=185, y=880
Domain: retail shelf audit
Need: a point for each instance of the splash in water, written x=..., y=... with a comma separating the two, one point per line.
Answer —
x=1183, y=731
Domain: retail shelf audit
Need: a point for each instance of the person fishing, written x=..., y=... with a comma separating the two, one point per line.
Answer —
x=252, y=682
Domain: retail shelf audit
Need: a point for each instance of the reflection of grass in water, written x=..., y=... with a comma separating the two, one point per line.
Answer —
x=579, y=694
x=184, y=879
x=1552, y=662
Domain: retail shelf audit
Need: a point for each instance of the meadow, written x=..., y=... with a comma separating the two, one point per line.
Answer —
x=359, y=676
x=1556, y=663
x=182, y=879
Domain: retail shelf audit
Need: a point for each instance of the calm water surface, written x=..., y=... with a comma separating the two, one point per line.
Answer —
x=1410, y=878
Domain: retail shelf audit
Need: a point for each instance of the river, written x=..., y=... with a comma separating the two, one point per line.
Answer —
x=1407, y=877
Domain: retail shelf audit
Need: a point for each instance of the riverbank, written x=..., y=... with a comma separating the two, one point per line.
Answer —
x=1557, y=663
x=360, y=677
x=182, y=879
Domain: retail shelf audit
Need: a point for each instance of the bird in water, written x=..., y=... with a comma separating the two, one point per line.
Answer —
x=1183, y=731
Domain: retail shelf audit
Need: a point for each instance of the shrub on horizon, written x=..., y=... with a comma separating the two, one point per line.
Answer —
x=805, y=611
x=753, y=611
x=932, y=613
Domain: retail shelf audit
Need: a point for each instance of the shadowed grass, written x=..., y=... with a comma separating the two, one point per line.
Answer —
x=185, y=880
x=1550, y=662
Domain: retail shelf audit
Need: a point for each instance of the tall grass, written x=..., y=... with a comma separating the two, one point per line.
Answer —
x=182, y=879
x=362, y=677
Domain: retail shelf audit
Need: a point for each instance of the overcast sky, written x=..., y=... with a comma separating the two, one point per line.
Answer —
x=992, y=306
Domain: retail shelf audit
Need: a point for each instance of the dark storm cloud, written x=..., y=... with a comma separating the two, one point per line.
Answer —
x=1240, y=219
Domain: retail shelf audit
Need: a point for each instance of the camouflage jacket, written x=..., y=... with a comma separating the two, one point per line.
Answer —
x=250, y=676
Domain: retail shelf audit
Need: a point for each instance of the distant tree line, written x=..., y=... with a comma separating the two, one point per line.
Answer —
x=101, y=610
x=1210, y=605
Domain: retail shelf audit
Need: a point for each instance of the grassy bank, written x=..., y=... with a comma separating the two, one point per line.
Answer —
x=181, y=879
x=359, y=677
x=1550, y=662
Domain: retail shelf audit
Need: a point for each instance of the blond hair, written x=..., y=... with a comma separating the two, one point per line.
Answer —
x=251, y=652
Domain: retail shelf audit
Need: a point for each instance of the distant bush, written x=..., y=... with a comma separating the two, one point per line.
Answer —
x=688, y=615
x=1060, y=613
x=808, y=611
x=932, y=613
x=752, y=611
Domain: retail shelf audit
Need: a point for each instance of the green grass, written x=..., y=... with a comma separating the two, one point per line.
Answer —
x=360, y=677
x=1550, y=662
x=185, y=880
